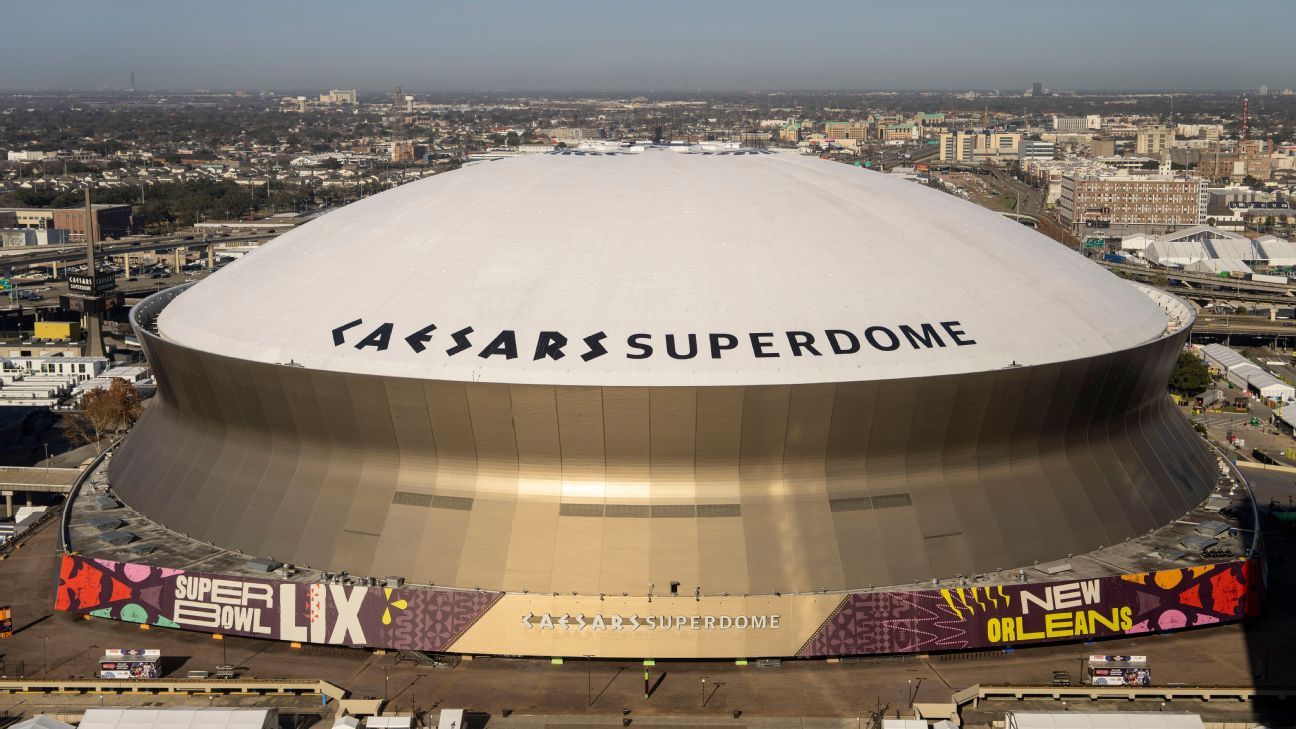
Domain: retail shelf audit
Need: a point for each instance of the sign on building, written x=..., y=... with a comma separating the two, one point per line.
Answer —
x=85, y=284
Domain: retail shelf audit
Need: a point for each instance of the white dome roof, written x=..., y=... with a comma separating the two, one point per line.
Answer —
x=783, y=268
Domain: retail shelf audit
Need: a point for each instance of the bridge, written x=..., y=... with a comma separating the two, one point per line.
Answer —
x=76, y=254
x=1202, y=280
x=159, y=687
x=34, y=479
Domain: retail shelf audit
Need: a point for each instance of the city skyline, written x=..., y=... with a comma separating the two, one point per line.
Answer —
x=582, y=46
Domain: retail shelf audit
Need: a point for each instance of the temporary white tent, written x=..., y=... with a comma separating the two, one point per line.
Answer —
x=40, y=721
x=214, y=718
x=1104, y=720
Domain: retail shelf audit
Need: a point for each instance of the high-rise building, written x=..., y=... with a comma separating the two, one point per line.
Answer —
x=402, y=151
x=1076, y=124
x=1037, y=89
x=987, y=146
x=1034, y=149
x=1102, y=148
x=1153, y=141
x=846, y=130
x=1263, y=90
x=1236, y=163
x=340, y=96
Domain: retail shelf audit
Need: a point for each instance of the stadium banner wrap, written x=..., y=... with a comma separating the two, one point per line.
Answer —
x=469, y=621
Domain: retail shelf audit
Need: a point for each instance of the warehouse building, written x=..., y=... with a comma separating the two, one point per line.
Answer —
x=1246, y=374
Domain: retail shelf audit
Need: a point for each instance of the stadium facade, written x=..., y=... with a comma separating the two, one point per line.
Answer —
x=665, y=405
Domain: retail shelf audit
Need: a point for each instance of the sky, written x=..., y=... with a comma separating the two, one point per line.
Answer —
x=701, y=45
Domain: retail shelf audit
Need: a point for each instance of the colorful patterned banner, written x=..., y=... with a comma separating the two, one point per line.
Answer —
x=418, y=619
x=999, y=616
x=865, y=623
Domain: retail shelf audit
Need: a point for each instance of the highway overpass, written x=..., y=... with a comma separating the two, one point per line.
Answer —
x=34, y=480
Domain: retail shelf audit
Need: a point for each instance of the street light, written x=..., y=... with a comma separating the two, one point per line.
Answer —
x=704, y=678
x=45, y=653
x=589, y=681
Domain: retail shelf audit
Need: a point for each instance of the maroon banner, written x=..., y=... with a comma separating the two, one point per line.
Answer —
x=1008, y=615
x=418, y=619
x=432, y=619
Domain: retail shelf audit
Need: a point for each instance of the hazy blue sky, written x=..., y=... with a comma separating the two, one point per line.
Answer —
x=704, y=44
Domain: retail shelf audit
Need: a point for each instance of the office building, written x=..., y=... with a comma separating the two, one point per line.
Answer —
x=1153, y=141
x=340, y=96
x=977, y=147
x=1138, y=202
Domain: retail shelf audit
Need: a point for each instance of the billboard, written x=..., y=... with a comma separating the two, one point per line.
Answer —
x=337, y=614
x=100, y=282
x=809, y=626
x=127, y=663
x=6, y=622
x=999, y=616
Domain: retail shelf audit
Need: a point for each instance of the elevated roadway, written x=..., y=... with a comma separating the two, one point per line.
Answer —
x=76, y=255
x=37, y=479
x=34, y=480
x=1202, y=281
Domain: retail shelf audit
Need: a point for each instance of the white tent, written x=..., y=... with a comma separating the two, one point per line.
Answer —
x=1104, y=720
x=40, y=721
x=215, y=718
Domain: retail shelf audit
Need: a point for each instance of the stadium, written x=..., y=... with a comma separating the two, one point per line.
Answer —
x=665, y=403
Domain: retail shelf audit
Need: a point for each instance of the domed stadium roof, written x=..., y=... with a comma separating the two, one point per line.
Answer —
x=662, y=268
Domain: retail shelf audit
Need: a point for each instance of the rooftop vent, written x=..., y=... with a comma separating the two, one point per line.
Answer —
x=262, y=565
x=1054, y=568
x=1211, y=528
x=106, y=523
x=1196, y=544
x=119, y=538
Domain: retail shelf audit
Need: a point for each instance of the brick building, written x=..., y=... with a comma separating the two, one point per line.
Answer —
x=1142, y=202
x=111, y=221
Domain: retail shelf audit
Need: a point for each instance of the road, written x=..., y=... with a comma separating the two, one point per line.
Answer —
x=76, y=255
x=1225, y=325
x=1031, y=198
x=130, y=286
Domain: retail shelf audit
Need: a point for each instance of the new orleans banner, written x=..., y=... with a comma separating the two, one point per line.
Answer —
x=863, y=623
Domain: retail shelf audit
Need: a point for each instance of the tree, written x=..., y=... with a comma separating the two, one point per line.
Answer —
x=111, y=409
x=1190, y=376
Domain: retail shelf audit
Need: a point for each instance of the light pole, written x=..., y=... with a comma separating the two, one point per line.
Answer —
x=589, y=681
x=45, y=653
x=704, y=678
x=386, y=675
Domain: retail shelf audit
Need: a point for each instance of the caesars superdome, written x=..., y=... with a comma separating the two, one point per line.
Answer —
x=740, y=372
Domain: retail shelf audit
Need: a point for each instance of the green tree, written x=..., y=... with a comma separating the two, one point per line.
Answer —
x=1190, y=376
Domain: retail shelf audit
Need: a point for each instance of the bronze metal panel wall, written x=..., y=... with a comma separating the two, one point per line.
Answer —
x=756, y=489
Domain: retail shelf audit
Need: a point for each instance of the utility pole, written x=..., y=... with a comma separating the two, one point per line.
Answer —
x=93, y=303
